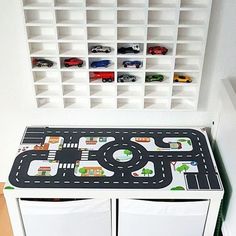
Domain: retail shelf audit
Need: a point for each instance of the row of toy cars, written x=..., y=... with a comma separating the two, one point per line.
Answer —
x=110, y=77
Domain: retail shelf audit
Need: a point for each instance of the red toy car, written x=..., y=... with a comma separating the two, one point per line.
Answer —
x=104, y=76
x=73, y=61
x=157, y=50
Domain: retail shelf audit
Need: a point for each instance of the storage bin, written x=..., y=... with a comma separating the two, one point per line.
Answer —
x=80, y=217
x=160, y=218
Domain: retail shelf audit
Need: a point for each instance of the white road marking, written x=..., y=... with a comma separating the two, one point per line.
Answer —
x=75, y=132
x=56, y=182
x=159, y=132
x=120, y=167
x=151, y=132
x=116, y=182
x=100, y=132
x=201, y=149
x=108, y=148
x=64, y=174
x=37, y=181
x=161, y=181
x=115, y=145
x=110, y=164
x=136, y=182
x=204, y=160
x=68, y=165
x=21, y=161
x=66, y=182
x=164, y=175
x=197, y=155
x=194, y=134
x=17, y=180
x=139, y=151
x=46, y=182
x=106, y=182
x=27, y=181
x=25, y=155
x=108, y=132
x=96, y=182
x=76, y=182
x=145, y=182
x=86, y=182
x=151, y=155
x=17, y=173
x=160, y=155
x=117, y=132
x=130, y=166
x=137, y=162
x=125, y=132
x=60, y=165
x=134, y=132
x=198, y=138
x=64, y=166
x=126, y=182
x=122, y=138
x=76, y=145
x=72, y=166
x=19, y=167
x=122, y=174
x=162, y=168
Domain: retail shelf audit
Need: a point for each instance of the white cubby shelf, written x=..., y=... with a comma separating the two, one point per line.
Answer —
x=60, y=29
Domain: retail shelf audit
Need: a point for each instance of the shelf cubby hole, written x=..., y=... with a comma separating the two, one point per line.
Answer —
x=72, y=49
x=103, y=90
x=76, y=103
x=157, y=91
x=129, y=17
x=47, y=90
x=131, y=3
x=111, y=65
x=70, y=17
x=160, y=64
x=103, y=54
x=45, y=68
x=43, y=49
x=167, y=78
x=68, y=34
x=194, y=76
x=191, y=34
x=162, y=18
x=139, y=77
x=120, y=65
x=41, y=33
x=130, y=33
x=50, y=102
x=194, y=4
x=129, y=90
x=75, y=90
x=169, y=46
x=129, y=103
x=163, y=3
x=126, y=45
x=156, y=104
x=192, y=18
x=189, y=49
x=39, y=17
x=62, y=59
x=94, y=80
x=187, y=64
x=100, y=17
x=74, y=77
x=96, y=34
x=46, y=77
x=68, y=3
x=103, y=103
x=161, y=34
x=184, y=92
x=100, y=3
x=37, y=3
x=181, y=104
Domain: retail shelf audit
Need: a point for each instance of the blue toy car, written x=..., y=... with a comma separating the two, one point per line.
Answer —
x=101, y=63
x=136, y=64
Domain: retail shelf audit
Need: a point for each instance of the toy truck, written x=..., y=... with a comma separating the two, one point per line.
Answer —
x=104, y=76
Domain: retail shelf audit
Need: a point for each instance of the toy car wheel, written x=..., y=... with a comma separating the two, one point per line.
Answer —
x=137, y=66
x=188, y=81
x=50, y=65
x=110, y=80
x=153, y=53
x=39, y=65
x=104, y=80
x=66, y=65
x=80, y=65
x=121, y=80
x=125, y=66
x=133, y=80
x=107, y=51
x=93, y=51
x=176, y=80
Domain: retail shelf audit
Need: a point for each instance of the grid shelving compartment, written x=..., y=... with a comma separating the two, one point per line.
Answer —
x=61, y=29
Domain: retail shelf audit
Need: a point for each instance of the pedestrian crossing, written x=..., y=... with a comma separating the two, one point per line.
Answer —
x=52, y=155
x=85, y=155
x=66, y=166
x=70, y=145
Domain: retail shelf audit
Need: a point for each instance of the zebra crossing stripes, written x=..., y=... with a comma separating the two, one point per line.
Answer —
x=84, y=155
x=52, y=155
x=66, y=166
x=70, y=145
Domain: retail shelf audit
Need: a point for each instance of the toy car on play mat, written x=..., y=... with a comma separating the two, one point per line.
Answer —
x=157, y=50
x=182, y=78
x=100, y=48
x=104, y=76
x=154, y=78
x=100, y=63
x=73, y=61
x=39, y=62
x=131, y=49
x=126, y=78
x=136, y=64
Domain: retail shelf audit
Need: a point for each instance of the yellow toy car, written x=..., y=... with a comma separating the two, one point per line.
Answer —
x=182, y=79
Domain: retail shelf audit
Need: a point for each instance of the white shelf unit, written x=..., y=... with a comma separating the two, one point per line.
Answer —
x=60, y=29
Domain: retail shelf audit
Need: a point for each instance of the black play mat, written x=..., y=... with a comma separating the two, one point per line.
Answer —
x=135, y=158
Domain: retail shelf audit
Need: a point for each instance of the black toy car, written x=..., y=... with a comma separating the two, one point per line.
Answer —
x=126, y=78
x=132, y=49
x=136, y=64
x=39, y=62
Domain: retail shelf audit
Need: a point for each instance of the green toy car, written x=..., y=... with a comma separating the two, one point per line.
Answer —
x=153, y=78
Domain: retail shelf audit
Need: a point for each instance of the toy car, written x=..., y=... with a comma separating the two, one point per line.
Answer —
x=100, y=63
x=39, y=62
x=156, y=77
x=73, y=61
x=182, y=79
x=132, y=49
x=100, y=48
x=157, y=50
x=126, y=78
x=104, y=76
x=136, y=64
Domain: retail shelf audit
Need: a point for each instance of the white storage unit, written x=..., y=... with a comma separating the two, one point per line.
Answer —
x=145, y=217
x=58, y=29
x=81, y=217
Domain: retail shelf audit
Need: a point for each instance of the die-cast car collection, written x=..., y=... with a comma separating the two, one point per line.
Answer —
x=109, y=76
